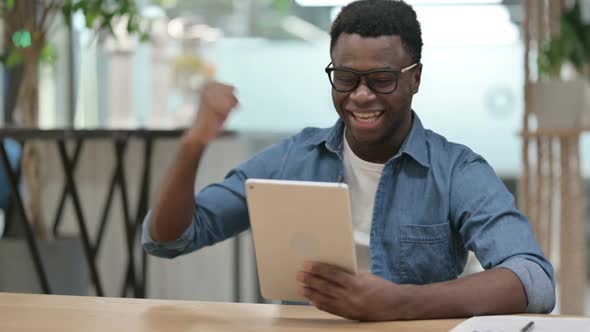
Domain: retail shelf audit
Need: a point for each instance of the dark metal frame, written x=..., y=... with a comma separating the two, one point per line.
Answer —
x=31, y=241
x=120, y=138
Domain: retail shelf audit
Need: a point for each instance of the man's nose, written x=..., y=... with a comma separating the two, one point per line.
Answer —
x=363, y=92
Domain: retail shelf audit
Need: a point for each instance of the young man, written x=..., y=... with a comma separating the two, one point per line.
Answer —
x=424, y=201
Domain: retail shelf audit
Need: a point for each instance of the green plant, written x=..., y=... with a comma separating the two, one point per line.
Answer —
x=572, y=45
x=28, y=32
x=27, y=25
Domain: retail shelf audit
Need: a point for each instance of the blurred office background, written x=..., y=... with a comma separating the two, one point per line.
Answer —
x=274, y=53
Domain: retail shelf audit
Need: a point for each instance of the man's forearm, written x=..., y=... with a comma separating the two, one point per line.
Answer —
x=495, y=291
x=175, y=206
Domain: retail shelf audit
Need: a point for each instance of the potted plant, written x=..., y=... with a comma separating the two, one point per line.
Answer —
x=27, y=27
x=561, y=97
x=28, y=46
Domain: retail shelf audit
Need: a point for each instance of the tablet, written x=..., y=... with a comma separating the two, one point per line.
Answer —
x=297, y=221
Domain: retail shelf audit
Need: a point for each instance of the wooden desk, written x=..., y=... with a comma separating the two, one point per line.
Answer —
x=21, y=312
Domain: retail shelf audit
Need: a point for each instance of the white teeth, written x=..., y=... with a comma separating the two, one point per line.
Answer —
x=367, y=116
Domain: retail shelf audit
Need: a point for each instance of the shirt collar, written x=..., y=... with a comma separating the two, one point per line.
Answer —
x=414, y=145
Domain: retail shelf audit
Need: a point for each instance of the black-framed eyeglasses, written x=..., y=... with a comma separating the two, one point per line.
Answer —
x=379, y=80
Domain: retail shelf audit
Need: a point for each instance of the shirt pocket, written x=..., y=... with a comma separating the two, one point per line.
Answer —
x=425, y=253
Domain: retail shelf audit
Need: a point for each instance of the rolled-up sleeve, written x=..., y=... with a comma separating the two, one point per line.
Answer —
x=490, y=225
x=537, y=284
x=168, y=249
x=221, y=210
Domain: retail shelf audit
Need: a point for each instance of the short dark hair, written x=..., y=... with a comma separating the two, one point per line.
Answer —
x=374, y=18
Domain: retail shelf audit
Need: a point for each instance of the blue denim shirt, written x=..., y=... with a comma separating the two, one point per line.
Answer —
x=435, y=201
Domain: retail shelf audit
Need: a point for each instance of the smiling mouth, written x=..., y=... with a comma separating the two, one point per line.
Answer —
x=367, y=117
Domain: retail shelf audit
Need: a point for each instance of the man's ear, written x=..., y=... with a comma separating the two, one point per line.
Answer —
x=416, y=78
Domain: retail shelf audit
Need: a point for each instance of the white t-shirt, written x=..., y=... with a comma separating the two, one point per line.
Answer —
x=362, y=178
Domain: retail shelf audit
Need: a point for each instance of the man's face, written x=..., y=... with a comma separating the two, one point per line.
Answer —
x=373, y=118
